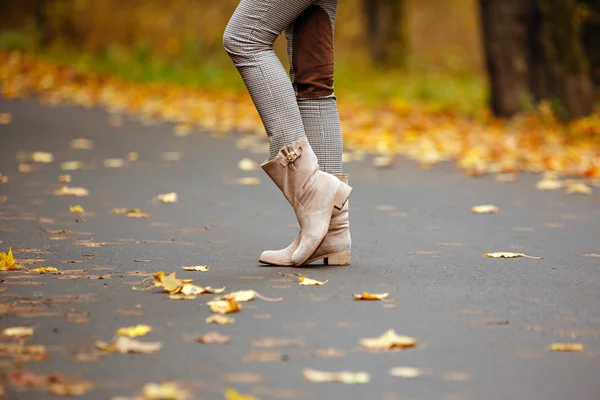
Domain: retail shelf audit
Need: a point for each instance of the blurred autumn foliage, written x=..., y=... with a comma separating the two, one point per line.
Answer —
x=422, y=95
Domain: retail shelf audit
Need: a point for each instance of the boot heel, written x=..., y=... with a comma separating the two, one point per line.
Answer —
x=339, y=258
x=342, y=196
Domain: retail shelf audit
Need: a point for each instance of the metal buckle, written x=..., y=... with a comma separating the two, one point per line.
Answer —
x=291, y=157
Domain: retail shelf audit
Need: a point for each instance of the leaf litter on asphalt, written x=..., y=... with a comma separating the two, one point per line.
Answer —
x=134, y=331
x=389, y=340
x=510, y=255
x=346, y=377
x=370, y=296
x=124, y=344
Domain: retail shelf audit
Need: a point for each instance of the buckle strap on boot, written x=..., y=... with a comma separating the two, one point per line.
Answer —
x=290, y=155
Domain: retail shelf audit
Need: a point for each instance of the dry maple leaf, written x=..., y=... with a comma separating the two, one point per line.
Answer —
x=370, y=296
x=7, y=261
x=18, y=331
x=565, y=347
x=44, y=270
x=347, y=377
x=134, y=331
x=123, y=344
x=304, y=281
x=219, y=319
x=213, y=338
x=76, y=209
x=198, y=268
x=167, y=197
x=171, y=283
x=509, y=255
x=485, y=209
x=72, y=191
x=389, y=340
x=224, y=306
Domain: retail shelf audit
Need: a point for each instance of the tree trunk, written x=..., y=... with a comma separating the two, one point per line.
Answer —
x=385, y=31
x=534, y=51
x=570, y=82
x=591, y=40
x=506, y=38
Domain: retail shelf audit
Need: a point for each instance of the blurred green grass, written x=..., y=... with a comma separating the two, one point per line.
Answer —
x=446, y=86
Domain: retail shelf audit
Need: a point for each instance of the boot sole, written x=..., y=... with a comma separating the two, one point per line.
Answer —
x=338, y=259
x=341, y=197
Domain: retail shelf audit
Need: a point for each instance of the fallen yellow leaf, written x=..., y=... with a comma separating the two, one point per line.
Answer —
x=213, y=338
x=389, y=340
x=7, y=261
x=170, y=282
x=71, y=165
x=247, y=164
x=167, y=197
x=304, y=281
x=249, y=181
x=370, y=296
x=64, y=178
x=199, y=268
x=180, y=296
x=134, y=331
x=76, y=209
x=485, y=209
x=123, y=344
x=81, y=144
x=114, y=163
x=347, y=377
x=72, y=191
x=232, y=394
x=163, y=391
x=224, y=306
x=247, y=295
x=126, y=210
x=407, y=372
x=44, y=270
x=565, y=347
x=549, y=184
x=509, y=255
x=579, y=187
x=18, y=331
x=219, y=319
x=42, y=157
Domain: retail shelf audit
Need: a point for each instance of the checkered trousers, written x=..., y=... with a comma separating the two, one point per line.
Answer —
x=248, y=39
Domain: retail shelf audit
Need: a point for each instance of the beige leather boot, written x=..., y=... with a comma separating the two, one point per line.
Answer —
x=335, y=249
x=312, y=193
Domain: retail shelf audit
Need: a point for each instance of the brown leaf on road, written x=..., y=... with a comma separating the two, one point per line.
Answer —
x=328, y=353
x=170, y=282
x=485, y=209
x=263, y=356
x=219, y=319
x=347, y=377
x=243, y=378
x=64, y=178
x=123, y=344
x=509, y=255
x=565, y=347
x=388, y=341
x=56, y=384
x=72, y=191
x=224, y=306
x=269, y=342
x=198, y=268
x=370, y=296
x=213, y=338
x=18, y=331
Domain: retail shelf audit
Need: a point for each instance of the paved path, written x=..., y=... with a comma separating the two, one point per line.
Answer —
x=483, y=324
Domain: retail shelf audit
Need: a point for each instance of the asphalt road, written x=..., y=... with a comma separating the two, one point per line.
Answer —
x=483, y=325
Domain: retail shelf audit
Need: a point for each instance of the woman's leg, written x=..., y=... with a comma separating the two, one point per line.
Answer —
x=249, y=39
x=310, y=47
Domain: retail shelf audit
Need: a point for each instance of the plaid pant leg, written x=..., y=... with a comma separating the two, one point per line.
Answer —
x=320, y=115
x=248, y=39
